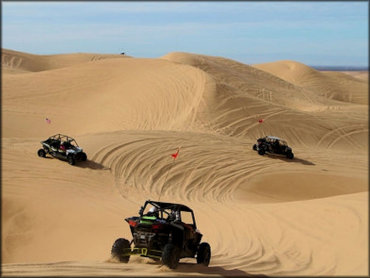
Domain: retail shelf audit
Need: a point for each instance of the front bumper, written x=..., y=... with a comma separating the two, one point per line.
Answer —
x=143, y=252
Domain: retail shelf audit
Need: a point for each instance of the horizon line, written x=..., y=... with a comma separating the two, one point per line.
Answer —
x=317, y=67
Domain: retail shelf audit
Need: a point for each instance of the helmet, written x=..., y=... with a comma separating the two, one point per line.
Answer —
x=153, y=209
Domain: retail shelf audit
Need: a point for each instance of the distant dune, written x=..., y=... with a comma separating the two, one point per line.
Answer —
x=358, y=74
x=332, y=85
x=20, y=62
x=262, y=215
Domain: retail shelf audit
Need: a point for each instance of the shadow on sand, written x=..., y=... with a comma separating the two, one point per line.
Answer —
x=213, y=270
x=83, y=164
x=48, y=157
x=303, y=161
x=91, y=165
x=294, y=160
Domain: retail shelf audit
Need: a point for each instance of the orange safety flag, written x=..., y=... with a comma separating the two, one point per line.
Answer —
x=174, y=155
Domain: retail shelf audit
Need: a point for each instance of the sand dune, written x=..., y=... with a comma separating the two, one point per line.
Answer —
x=245, y=94
x=332, y=85
x=107, y=95
x=364, y=75
x=20, y=62
x=262, y=215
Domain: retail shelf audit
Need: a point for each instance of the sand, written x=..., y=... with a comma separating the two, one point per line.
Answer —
x=262, y=215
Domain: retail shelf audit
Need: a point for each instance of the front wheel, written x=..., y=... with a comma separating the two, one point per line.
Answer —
x=170, y=256
x=120, y=250
x=71, y=160
x=290, y=155
x=41, y=153
x=83, y=157
x=261, y=151
x=254, y=147
x=204, y=254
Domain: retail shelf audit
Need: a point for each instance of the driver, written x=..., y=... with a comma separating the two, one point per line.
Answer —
x=67, y=145
x=55, y=145
x=172, y=216
x=63, y=147
x=153, y=211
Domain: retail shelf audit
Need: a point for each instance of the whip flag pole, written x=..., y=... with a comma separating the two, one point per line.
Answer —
x=174, y=155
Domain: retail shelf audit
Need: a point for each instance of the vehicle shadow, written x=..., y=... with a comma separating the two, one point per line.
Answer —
x=300, y=160
x=91, y=165
x=294, y=160
x=212, y=270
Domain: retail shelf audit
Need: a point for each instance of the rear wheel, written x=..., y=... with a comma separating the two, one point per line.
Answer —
x=261, y=151
x=120, y=250
x=71, y=160
x=254, y=147
x=41, y=153
x=204, y=254
x=290, y=155
x=170, y=256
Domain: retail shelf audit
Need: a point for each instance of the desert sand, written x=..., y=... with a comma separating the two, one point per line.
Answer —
x=262, y=215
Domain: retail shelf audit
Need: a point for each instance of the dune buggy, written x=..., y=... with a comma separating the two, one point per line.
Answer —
x=62, y=147
x=165, y=232
x=273, y=145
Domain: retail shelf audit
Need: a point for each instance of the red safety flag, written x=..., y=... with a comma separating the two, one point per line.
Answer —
x=174, y=155
x=48, y=121
x=260, y=121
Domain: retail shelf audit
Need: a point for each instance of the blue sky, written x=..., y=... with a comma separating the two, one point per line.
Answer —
x=314, y=33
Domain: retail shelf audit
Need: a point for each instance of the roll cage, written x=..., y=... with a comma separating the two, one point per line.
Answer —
x=63, y=139
x=273, y=139
x=166, y=209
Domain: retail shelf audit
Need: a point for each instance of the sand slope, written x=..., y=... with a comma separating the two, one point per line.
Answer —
x=20, y=62
x=261, y=214
x=364, y=75
x=332, y=85
x=245, y=94
x=111, y=94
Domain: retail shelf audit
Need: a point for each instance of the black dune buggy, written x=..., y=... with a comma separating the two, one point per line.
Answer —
x=62, y=147
x=165, y=232
x=273, y=145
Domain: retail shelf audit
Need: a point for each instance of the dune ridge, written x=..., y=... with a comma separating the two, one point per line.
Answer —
x=262, y=215
x=21, y=62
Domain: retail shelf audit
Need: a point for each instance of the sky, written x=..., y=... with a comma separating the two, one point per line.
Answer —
x=313, y=33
